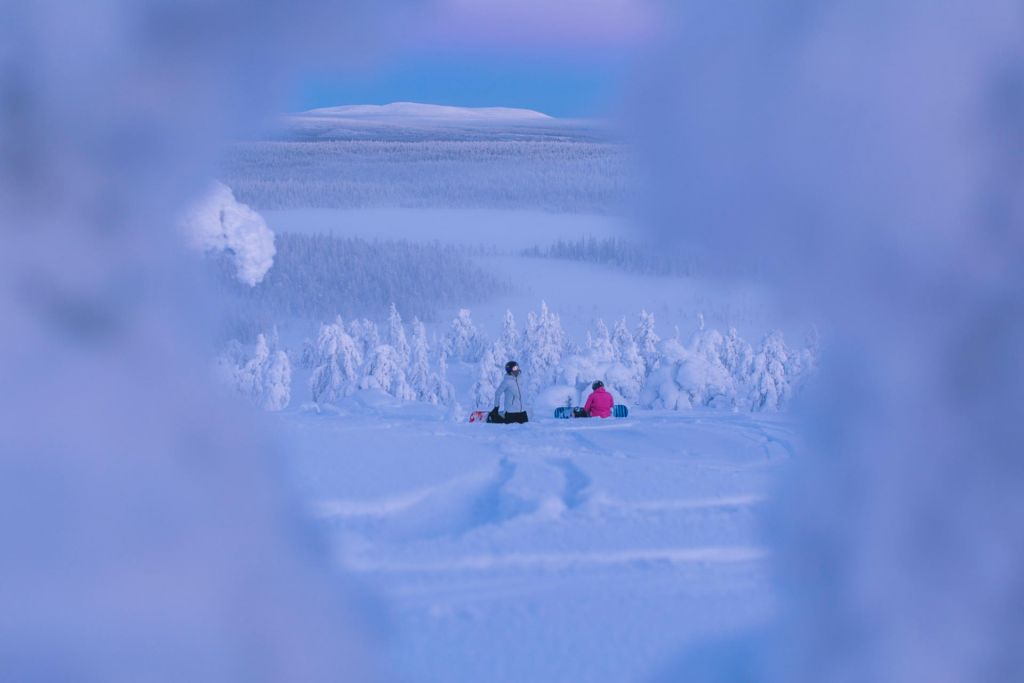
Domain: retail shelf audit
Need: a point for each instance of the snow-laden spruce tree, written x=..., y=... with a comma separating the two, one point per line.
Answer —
x=489, y=372
x=628, y=372
x=366, y=336
x=508, y=345
x=309, y=354
x=441, y=388
x=277, y=385
x=769, y=385
x=264, y=379
x=419, y=365
x=396, y=334
x=543, y=347
x=647, y=340
x=385, y=371
x=702, y=375
x=463, y=341
x=336, y=360
x=599, y=345
x=737, y=357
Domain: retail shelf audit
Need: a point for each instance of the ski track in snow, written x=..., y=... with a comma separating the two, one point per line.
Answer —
x=596, y=533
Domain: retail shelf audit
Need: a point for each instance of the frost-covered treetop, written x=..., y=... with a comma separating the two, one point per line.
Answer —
x=220, y=223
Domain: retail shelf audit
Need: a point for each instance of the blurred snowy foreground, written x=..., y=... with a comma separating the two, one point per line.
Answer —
x=148, y=535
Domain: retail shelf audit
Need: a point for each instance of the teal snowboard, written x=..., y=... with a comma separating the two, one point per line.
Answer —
x=565, y=412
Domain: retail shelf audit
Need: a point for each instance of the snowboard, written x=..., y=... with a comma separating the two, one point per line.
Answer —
x=565, y=412
x=483, y=416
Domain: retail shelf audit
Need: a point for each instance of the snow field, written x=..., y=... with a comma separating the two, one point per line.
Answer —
x=555, y=550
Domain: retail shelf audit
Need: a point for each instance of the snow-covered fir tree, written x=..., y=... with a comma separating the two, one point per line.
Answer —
x=336, y=360
x=647, y=340
x=264, y=379
x=308, y=358
x=441, y=388
x=488, y=374
x=419, y=365
x=384, y=371
x=508, y=343
x=463, y=340
x=703, y=376
x=543, y=346
x=396, y=334
x=737, y=357
x=366, y=335
x=252, y=375
x=277, y=386
x=769, y=386
x=624, y=347
x=628, y=376
x=600, y=343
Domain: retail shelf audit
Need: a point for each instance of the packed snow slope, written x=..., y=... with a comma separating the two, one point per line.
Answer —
x=559, y=550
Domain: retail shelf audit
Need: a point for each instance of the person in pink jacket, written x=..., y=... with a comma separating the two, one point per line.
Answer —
x=600, y=402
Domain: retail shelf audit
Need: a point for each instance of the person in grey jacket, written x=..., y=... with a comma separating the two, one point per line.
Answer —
x=512, y=394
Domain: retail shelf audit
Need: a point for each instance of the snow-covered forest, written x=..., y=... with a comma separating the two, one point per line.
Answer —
x=584, y=175
x=319, y=276
x=612, y=251
x=703, y=369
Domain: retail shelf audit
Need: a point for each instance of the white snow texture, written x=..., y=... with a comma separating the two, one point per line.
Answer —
x=219, y=223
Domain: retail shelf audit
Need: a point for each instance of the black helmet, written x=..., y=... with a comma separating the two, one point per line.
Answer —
x=597, y=385
x=511, y=368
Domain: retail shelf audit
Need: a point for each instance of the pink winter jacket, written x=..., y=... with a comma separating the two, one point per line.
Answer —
x=599, y=403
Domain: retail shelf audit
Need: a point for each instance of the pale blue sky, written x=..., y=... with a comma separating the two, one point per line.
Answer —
x=567, y=58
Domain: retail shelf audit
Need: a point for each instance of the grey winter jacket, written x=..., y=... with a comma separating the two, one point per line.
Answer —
x=509, y=389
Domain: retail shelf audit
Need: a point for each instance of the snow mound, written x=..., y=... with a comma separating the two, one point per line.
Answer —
x=428, y=111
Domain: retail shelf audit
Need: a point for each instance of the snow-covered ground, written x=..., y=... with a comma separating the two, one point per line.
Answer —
x=552, y=551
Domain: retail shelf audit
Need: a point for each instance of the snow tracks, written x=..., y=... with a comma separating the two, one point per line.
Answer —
x=639, y=531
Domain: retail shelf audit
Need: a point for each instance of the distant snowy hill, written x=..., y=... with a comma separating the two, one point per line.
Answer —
x=426, y=155
x=413, y=121
x=427, y=111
